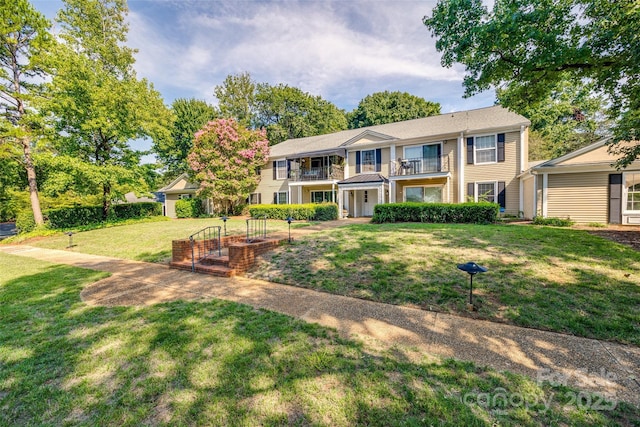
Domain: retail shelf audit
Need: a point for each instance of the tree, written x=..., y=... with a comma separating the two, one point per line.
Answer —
x=98, y=103
x=226, y=158
x=528, y=46
x=190, y=115
x=572, y=117
x=24, y=33
x=389, y=107
x=287, y=112
x=236, y=98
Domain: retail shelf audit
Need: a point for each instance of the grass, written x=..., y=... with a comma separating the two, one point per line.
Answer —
x=541, y=277
x=144, y=241
x=220, y=363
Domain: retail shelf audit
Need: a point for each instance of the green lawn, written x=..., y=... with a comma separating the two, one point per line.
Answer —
x=557, y=279
x=220, y=363
x=150, y=241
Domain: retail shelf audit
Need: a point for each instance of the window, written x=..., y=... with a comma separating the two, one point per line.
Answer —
x=185, y=196
x=280, y=167
x=632, y=189
x=422, y=158
x=281, y=198
x=423, y=194
x=254, y=198
x=368, y=162
x=323, y=196
x=486, y=192
x=366, y=196
x=485, y=149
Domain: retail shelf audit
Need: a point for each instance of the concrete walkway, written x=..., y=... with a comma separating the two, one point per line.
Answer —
x=603, y=367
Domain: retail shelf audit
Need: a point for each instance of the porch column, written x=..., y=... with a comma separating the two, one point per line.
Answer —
x=545, y=193
x=355, y=203
x=299, y=193
x=392, y=191
x=345, y=200
x=381, y=194
x=460, y=158
x=340, y=200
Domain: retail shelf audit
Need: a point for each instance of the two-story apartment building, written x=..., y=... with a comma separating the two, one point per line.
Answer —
x=452, y=158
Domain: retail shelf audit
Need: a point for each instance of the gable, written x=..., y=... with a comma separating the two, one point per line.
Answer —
x=366, y=137
x=597, y=155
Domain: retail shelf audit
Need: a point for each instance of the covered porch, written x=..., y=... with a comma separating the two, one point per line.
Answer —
x=358, y=195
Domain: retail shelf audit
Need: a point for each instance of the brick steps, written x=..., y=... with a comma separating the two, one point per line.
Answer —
x=215, y=260
x=213, y=270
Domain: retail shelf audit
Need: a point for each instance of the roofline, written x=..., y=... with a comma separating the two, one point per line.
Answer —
x=575, y=153
x=167, y=187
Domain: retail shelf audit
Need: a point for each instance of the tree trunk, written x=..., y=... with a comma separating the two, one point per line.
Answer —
x=33, y=186
x=106, y=200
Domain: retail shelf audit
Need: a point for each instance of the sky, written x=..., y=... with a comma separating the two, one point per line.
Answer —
x=340, y=50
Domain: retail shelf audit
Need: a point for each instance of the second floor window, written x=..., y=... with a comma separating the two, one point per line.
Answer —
x=486, y=149
x=281, y=169
x=368, y=163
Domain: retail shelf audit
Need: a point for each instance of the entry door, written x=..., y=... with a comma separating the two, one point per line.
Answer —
x=369, y=200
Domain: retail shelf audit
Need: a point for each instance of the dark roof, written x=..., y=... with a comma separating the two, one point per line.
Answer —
x=359, y=179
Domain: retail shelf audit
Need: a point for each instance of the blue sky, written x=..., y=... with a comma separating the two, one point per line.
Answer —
x=340, y=50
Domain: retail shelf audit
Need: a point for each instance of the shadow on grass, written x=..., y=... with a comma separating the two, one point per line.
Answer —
x=223, y=363
x=160, y=257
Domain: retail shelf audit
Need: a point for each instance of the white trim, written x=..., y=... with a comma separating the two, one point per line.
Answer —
x=392, y=191
x=625, y=193
x=476, y=192
x=520, y=195
x=523, y=160
x=278, y=170
x=461, y=151
x=286, y=193
x=475, y=148
x=346, y=165
x=362, y=171
x=535, y=195
x=545, y=193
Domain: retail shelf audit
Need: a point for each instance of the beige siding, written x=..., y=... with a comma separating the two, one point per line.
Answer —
x=449, y=152
x=386, y=159
x=528, y=207
x=599, y=155
x=581, y=196
x=501, y=171
x=268, y=185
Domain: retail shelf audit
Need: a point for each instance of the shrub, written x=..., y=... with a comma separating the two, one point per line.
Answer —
x=553, y=221
x=189, y=208
x=25, y=222
x=477, y=213
x=87, y=215
x=308, y=211
x=137, y=210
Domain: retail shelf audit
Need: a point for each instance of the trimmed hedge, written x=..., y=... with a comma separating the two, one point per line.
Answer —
x=477, y=213
x=302, y=212
x=553, y=221
x=86, y=215
x=189, y=208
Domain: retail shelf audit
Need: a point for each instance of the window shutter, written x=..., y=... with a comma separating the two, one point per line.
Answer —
x=357, y=162
x=288, y=168
x=615, y=198
x=275, y=198
x=275, y=170
x=259, y=198
x=470, y=150
x=502, y=194
x=501, y=147
x=439, y=154
x=470, y=189
x=378, y=159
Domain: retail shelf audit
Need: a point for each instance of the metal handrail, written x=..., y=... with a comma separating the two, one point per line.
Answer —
x=419, y=165
x=205, y=235
x=256, y=229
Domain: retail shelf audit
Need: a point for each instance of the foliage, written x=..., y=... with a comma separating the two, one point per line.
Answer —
x=389, y=107
x=477, y=213
x=226, y=158
x=25, y=222
x=529, y=46
x=236, y=98
x=553, y=221
x=24, y=35
x=190, y=115
x=88, y=215
x=189, y=208
x=98, y=103
x=298, y=212
x=288, y=112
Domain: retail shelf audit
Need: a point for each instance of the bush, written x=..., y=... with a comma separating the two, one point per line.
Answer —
x=300, y=212
x=137, y=210
x=87, y=215
x=476, y=213
x=553, y=221
x=189, y=208
x=25, y=222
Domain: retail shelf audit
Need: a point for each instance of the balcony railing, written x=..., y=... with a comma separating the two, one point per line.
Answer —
x=318, y=174
x=418, y=166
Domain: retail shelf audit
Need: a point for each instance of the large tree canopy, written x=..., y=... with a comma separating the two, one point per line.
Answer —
x=389, y=107
x=528, y=46
x=98, y=103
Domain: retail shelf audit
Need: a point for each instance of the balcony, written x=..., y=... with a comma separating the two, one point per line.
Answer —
x=419, y=166
x=325, y=173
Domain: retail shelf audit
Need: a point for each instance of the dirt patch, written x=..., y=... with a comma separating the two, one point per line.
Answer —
x=626, y=236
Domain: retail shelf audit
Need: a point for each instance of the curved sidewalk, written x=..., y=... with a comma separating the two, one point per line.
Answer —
x=603, y=367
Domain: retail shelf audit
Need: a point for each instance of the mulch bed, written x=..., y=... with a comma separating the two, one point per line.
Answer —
x=625, y=235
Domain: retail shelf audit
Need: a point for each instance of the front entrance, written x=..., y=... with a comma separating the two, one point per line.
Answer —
x=369, y=200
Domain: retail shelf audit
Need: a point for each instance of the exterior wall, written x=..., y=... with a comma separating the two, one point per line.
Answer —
x=384, y=167
x=506, y=171
x=581, y=196
x=598, y=155
x=268, y=185
x=170, y=205
x=306, y=191
x=529, y=210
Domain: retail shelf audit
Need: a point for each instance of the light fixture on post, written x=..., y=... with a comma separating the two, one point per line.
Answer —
x=70, y=234
x=224, y=219
x=472, y=268
x=289, y=221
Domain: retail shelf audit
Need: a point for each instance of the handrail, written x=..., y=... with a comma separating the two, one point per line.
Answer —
x=256, y=229
x=207, y=247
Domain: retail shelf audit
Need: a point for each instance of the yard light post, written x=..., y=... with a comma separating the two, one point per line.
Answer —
x=224, y=219
x=472, y=268
x=289, y=221
x=70, y=234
